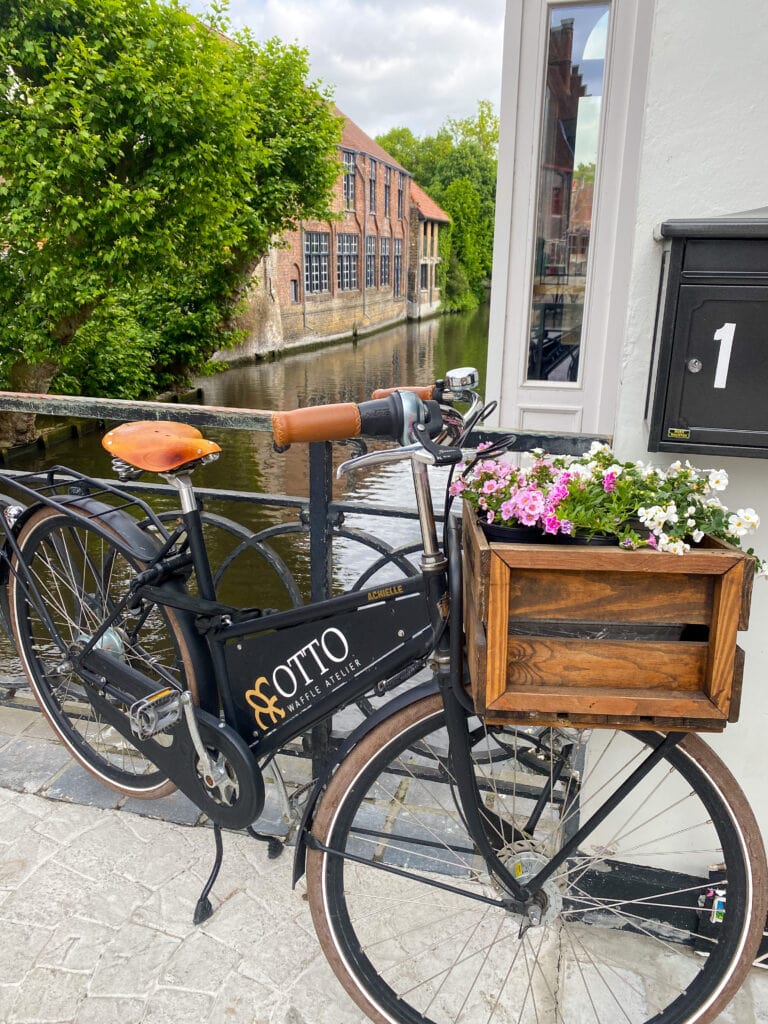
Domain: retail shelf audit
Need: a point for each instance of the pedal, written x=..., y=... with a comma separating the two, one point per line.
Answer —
x=151, y=715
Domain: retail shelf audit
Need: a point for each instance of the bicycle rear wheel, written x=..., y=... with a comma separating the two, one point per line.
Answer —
x=655, y=918
x=80, y=576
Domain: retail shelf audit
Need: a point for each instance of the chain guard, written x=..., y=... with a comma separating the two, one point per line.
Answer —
x=177, y=758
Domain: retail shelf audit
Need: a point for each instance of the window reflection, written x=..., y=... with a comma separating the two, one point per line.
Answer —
x=568, y=161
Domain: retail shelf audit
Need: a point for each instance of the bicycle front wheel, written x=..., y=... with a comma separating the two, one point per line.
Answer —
x=80, y=576
x=655, y=917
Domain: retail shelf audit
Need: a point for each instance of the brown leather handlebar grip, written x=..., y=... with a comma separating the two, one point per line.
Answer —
x=316, y=423
x=426, y=394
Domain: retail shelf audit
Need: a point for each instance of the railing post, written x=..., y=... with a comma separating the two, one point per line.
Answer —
x=320, y=564
x=320, y=540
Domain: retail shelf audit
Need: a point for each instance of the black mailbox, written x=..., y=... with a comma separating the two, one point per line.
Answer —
x=708, y=390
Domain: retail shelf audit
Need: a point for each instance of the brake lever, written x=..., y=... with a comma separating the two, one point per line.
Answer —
x=440, y=456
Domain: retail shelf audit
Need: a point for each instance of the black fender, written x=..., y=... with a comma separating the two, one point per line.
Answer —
x=403, y=700
x=130, y=537
x=133, y=540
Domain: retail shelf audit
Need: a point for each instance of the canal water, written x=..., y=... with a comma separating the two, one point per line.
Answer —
x=411, y=353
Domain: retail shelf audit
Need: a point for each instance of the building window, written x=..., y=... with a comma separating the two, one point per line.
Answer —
x=387, y=190
x=424, y=276
x=316, y=249
x=398, y=270
x=424, y=237
x=384, y=264
x=349, y=180
x=370, y=261
x=372, y=187
x=400, y=194
x=294, y=290
x=346, y=262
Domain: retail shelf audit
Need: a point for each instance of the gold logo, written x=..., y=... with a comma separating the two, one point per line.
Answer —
x=263, y=704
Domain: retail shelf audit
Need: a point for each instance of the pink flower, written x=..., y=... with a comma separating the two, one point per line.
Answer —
x=508, y=510
x=609, y=482
x=490, y=486
x=566, y=526
x=457, y=487
x=551, y=524
x=491, y=516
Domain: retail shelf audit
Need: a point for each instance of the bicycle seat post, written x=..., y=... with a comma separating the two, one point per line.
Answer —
x=182, y=482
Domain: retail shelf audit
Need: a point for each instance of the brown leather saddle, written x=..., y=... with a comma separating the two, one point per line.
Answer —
x=158, y=446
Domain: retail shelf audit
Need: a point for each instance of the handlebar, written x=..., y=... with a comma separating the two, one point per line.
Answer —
x=392, y=418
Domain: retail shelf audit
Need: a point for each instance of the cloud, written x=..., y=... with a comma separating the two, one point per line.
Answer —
x=392, y=63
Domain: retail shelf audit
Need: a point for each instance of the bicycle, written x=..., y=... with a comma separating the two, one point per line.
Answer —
x=456, y=871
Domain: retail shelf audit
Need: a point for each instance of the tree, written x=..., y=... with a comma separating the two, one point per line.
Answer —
x=482, y=129
x=145, y=163
x=457, y=167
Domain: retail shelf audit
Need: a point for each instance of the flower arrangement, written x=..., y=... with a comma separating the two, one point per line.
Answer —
x=641, y=505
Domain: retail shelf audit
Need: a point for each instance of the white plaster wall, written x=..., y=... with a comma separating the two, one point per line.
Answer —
x=705, y=153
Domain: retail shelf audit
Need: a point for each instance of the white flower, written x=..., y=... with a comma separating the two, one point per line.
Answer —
x=690, y=523
x=596, y=448
x=750, y=516
x=697, y=536
x=718, y=479
x=742, y=522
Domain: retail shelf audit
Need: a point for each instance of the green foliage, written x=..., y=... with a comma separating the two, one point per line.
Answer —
x=584, y=173
x=457, y=167
x=482, y=129
x=145, y=163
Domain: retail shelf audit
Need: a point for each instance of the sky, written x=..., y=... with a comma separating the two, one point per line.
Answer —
x=392, y=63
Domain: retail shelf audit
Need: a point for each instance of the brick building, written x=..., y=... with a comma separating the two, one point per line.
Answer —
x=424, y=254
x=372, y=267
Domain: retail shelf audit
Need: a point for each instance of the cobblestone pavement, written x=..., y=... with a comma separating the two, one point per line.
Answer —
x=97, y=898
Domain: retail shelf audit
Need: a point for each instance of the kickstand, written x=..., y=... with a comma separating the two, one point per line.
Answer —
x=203, y=909
x=274, y=846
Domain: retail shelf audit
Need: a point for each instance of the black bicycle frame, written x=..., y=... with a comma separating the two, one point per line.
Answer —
x=287, y=671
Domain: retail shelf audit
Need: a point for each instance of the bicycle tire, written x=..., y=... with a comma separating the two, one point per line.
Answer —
x=606, y=951
x=79, y=574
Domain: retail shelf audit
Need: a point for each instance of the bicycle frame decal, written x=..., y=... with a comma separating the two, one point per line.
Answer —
x=315, y=667
x=280, y=674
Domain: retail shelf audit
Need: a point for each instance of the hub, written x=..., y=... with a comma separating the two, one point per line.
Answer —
x=524, y=862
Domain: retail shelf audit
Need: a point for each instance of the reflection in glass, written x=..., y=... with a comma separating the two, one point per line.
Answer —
x=568, y=160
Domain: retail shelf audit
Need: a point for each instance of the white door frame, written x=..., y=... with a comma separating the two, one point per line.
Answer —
x=588, y=405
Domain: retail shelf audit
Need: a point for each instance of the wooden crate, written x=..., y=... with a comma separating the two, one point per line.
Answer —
x=600, y=636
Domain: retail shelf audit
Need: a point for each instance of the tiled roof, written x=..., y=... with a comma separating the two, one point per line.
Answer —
x=426, y=205
x=355, y=138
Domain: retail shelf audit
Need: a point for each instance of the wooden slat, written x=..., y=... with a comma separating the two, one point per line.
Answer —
x=610, y=596
x=546, y=661
x=498, y=631
x=605, y=700
x=477, y=648
x=477, y=563
x=589, y=559
x=738, y=680
x=722, y=642
x=629, y=722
